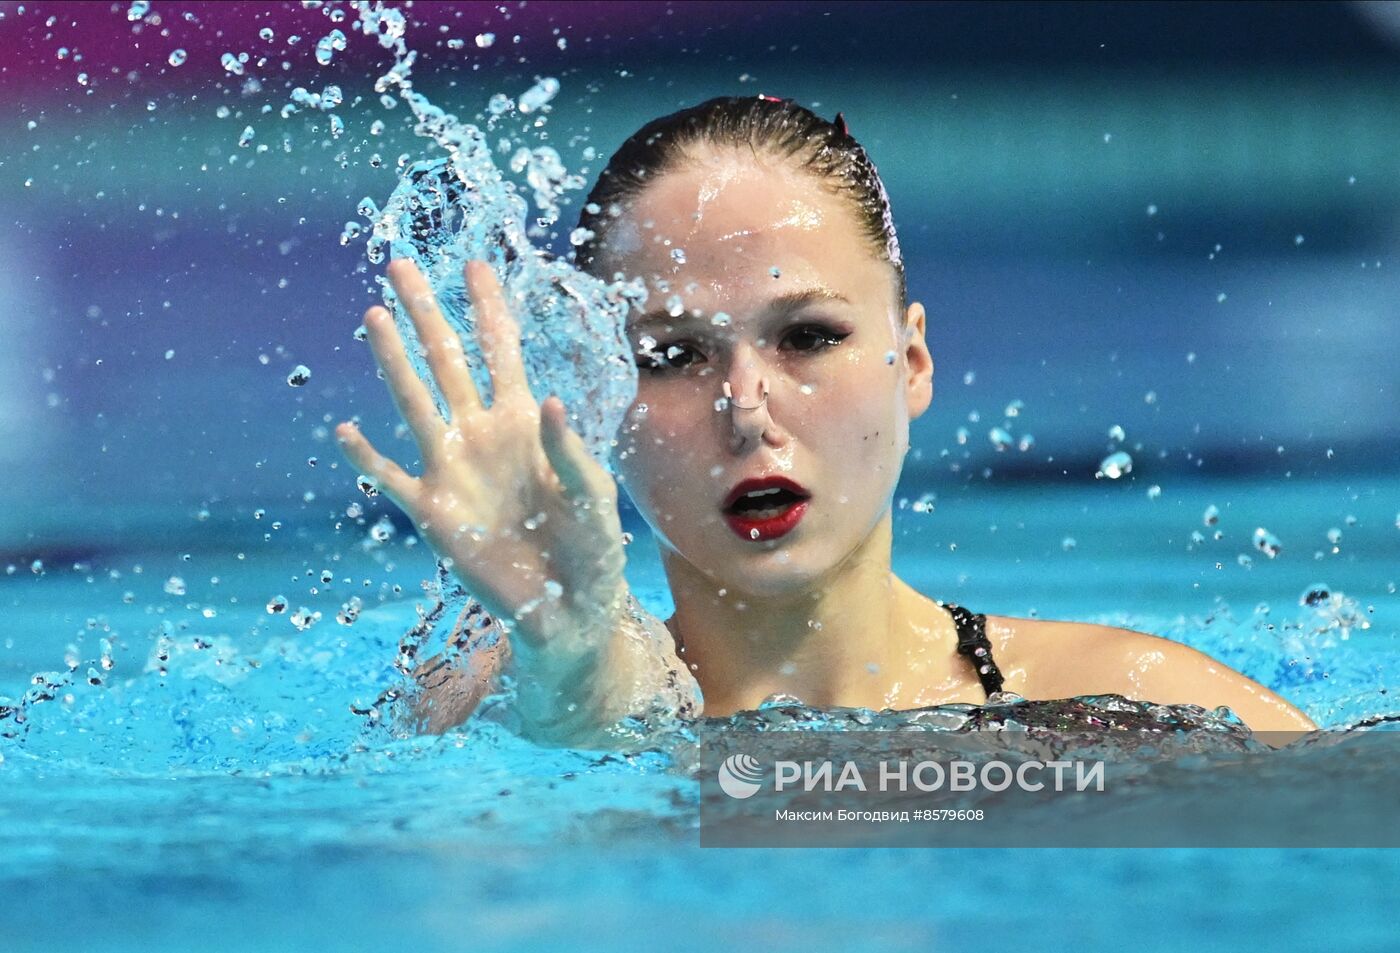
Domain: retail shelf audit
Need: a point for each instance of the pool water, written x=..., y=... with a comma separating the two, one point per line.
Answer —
x=239, y=803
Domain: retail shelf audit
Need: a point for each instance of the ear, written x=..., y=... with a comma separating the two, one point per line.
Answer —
x=918, y=383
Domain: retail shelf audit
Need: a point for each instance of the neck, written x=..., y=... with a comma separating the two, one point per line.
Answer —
x=837, y=641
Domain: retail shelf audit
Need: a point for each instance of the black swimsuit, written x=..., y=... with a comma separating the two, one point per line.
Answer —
x=973, y=643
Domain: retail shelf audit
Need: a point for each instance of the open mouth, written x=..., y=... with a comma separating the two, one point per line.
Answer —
x=765, y=509
x=764, y=504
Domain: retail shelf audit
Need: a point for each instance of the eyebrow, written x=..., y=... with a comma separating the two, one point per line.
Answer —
x=780, y=306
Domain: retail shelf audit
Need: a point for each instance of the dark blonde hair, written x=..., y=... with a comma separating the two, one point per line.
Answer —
x=824, y=148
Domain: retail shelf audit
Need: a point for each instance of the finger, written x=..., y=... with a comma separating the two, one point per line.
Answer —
x=498, y=330
x=411, y=395
x=387, y=474
x=440, y=341
x=580, y=477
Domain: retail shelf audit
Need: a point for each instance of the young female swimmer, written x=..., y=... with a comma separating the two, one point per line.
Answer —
x=769, y=429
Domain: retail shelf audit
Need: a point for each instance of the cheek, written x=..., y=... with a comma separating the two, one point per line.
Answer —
x=853, y=409
x=657, y=448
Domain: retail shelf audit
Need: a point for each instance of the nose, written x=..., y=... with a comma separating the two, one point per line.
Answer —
x=746, y=392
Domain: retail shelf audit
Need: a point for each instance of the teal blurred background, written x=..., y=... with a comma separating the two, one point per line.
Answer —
x=1175, y=218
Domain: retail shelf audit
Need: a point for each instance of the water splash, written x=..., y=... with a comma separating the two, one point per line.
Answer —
x=459, y=206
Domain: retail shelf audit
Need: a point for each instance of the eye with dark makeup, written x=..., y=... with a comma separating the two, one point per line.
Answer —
x=679, y=355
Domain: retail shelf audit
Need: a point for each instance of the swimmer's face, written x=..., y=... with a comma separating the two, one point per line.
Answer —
x=811, y=310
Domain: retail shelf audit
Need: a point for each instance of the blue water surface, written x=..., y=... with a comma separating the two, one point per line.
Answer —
x=238, y=802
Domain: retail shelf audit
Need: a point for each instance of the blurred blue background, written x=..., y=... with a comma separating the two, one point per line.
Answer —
x=1176, y=218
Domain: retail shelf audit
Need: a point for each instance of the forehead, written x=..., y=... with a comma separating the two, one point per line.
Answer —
x=733, y=226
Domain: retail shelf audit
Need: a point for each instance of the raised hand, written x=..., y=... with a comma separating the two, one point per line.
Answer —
x=509, y=493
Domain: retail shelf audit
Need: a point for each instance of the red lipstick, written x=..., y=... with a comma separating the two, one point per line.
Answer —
x=765, y=508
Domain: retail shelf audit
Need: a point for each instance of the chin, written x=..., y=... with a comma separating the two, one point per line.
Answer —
x=775, y=573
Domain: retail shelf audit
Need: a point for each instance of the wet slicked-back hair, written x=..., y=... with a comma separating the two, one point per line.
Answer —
x=778, y=127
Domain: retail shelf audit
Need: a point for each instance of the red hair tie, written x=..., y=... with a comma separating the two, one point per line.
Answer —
x=771, y=99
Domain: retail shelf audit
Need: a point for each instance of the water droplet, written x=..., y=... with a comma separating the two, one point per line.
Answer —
x=580, y=235
x=889, y=357
x=970, y=378
x=1154, y=492
x=1220, y=298
x=538, y=95
x=775, y=272
x=266, y=34
x=304, y=619
x=961, y=435
x=1014, y=409
x=382, y=531
x=232, y=64
x=1267, y=543
x=328, y=45
x=349, y=611
x=678, y=255
x=276, y=605
x=177, y=57
x=562, y=43
x=1151, y=210
x=1068, y=544
x=1297, y=239
x=174, y=586
x=484, y=40
x=753, y=534
x=247, y=137
x=1211, y=516
x=1000, y=438
x=1115, y=465
x=1026, y=442
x=299, y=376
x=367, y=486
x=1117, y=433
x=138, y=9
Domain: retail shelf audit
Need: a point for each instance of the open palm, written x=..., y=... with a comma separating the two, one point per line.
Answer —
x=508, y=493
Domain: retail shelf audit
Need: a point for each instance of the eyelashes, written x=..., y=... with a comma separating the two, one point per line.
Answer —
x=806, y=339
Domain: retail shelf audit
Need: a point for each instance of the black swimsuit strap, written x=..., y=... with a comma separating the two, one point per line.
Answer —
x=973, y=643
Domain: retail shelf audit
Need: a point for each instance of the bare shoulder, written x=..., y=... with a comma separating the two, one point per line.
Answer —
x=1062, y=659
